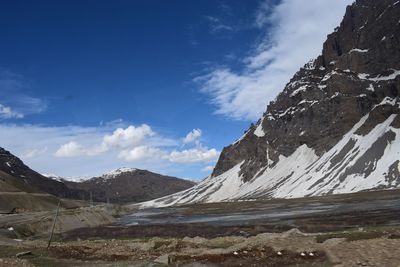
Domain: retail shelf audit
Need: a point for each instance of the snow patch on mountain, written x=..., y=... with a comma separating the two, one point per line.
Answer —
x=392, y=76
x=345, y=168
x=53, y=176
x=358, y=50
x=259, y=130
x=117, y=172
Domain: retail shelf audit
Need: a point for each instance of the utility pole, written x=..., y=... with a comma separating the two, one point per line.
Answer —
x=54, y=224
x=91, y=199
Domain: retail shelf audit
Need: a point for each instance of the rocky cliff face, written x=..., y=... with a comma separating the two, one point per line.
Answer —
x=333, y=129
x=329, y=95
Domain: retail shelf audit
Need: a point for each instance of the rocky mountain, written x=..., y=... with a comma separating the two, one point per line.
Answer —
x=14, y=173
x=130, y=185
x=121, y=185
x=333, y=129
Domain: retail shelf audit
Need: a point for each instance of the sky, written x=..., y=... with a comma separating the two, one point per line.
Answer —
x=90, y=86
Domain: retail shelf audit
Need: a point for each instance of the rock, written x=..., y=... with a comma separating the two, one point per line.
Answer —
x=24, y=253
x=292, y=233
x=244, y=233
x=163, y=259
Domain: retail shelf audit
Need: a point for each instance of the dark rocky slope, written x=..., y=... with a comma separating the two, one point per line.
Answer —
x=15, y=173
x=123, y=185
x=329, y=95
x=130, y=185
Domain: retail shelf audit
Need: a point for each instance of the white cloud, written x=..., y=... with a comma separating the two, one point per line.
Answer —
x=12, y=87
x=192, y=136
x=8, y=113
x=263, y=14
x=31, y=153
x=135, y=144
x=74, y=151
x=217, y=25
x=70, y=149
x=209, y=168
x=295, y=35
x=142, y=153
x=194, y=155
x=131, y=136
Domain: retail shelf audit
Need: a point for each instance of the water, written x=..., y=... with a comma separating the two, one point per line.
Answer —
x=258, y=212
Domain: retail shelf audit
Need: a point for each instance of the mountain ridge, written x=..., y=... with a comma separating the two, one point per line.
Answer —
x=120, y=185
x=130, y=185
x=333, y=129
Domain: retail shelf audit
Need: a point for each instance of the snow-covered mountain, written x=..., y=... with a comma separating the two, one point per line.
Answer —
x=117, y=172
x=335, y=128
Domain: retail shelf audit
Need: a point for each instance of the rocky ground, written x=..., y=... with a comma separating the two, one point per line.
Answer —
x=360, y=247
x=362, y=234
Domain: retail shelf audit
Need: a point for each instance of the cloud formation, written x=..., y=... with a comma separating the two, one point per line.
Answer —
x=8, y=113
x=15, y=104
x=142, y=153
x=131, y=136
x=192, y=136
x=208, y=168
x=35, y=152
x=217, y=25
x=70, y=149
x=89, y=151
x=293, y=34
x=193, y=155
x=135, y=144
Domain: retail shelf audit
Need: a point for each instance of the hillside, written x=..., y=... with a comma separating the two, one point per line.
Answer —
x=333, y=129
x=130, y=185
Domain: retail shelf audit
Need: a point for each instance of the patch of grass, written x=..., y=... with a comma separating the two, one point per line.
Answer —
x=23, y=231
x=350, y=236
x=372, y=232
x=219, y=243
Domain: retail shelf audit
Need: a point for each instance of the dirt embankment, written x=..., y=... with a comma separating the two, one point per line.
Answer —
x=37, y=224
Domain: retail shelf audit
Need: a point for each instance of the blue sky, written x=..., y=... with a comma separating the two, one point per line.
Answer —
x=89, y=86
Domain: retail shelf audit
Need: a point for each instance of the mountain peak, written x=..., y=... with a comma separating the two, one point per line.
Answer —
x=119, y=171
x=334, y=128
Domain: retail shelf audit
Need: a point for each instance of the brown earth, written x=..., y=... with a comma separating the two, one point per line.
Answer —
x=291, y=248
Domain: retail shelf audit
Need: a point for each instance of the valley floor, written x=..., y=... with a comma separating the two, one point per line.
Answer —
x=291, y=248
x=361, y=229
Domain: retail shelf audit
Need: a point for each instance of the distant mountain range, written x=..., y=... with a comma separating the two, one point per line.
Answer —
x=121, y=185
x=130, y=185
x=335, y=128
